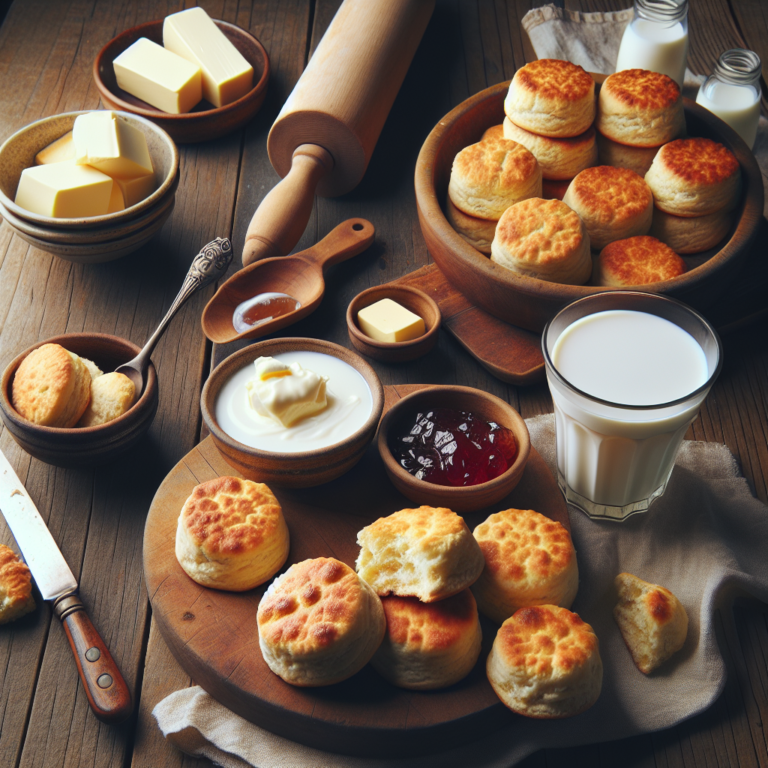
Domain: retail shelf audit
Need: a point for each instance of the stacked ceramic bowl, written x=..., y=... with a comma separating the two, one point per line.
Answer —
x=95, y=238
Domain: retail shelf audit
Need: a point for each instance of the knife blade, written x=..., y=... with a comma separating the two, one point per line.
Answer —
x=107, y=692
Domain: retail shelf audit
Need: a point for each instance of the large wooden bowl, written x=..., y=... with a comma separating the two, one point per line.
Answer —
x=528, y=302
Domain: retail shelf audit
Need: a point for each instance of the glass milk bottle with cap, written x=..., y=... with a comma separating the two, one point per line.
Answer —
x=657, y=38
x=732, y=92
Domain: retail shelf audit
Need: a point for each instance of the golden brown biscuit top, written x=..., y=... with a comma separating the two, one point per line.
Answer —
x=422, y=526
x=641, y=89
x=15, y=578
x=699, y=161
x=539, y=232
x=311, y=606
x=545, y=640
x=611, y=194
x=659, y=601
x=429, y=626
x=521, y=544
x=640, y=260
x=43, y=383
x=555, y=79
x=229, y=515
x=494, y=162
x=494, y=132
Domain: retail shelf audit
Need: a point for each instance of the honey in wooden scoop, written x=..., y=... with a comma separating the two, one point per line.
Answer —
x=299, y=277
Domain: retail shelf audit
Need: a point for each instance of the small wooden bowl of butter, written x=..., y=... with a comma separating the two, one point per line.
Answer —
x=292, y=412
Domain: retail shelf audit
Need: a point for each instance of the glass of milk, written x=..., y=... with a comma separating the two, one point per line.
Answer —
x=656, y=39
x=732, y=92
x=628, y=372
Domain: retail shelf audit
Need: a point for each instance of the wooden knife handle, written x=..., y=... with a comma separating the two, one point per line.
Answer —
x=107, y=692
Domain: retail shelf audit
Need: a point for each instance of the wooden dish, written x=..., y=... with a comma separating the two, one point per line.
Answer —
x=86, y=446
x=528, y=302
x=291, y=470
x=399, y=420
x=204, y=122
x=413, y=299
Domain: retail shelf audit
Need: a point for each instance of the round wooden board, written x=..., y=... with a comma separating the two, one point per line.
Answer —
x=214, y=637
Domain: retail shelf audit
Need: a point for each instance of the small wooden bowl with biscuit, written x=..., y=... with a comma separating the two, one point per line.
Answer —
x=82, y=446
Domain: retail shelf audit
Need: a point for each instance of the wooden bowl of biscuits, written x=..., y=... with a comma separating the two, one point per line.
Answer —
x=530, y=302
x=48, y=385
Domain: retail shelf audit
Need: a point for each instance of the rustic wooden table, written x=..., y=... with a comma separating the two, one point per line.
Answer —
x=47, y=48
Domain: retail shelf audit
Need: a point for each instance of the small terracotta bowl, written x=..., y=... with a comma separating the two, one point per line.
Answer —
x=413, y=299
x=205, y=122
x=401, y=417
x=291, y=470
x=86, y=446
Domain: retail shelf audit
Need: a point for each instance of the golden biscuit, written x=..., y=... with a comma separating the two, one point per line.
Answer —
x=652, y=621
x=637, y=159
x=640, y=108
x=685, y=234
x=543, y=239
x=545, y=663
x=112, y=395
x=552, y=98
x=231, y=534
x=15, y=586
x=428, y=645
x=488, y=177
x=494, y=132
x=529, y=560
x=637, y=261
x=478, y=233
x=428, y=553
x=93, y=369
x=614, y=203
x=319, y=623
x=695, y=177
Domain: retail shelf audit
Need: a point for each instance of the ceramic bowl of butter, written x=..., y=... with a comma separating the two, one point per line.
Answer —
x=204, y=122
x=292, y=412
x=82, y=446
x=454, y=447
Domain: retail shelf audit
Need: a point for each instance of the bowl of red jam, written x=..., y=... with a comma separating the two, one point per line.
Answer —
x=454, y=447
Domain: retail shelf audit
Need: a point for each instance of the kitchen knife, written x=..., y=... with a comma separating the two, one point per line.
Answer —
x=107, y=692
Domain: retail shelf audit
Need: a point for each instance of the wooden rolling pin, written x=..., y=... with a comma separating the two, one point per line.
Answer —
x=324, y=136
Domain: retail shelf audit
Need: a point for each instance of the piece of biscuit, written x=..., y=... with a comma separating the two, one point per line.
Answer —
x=479, y=233
x=494, y=132
x=488, y=177
x=319, y=623
x=614, y=203
x=545, y=663
x=640, y=108
x=544, y=239
x=428, y=553
x=637, y=159
x=231, y=534
x=529, y=560
x=51, y=387
x=685, y=234
x=428, y=645
x=112, y=395
x=15, y=586
x=559, y=158
x=652, y=621
x=695, y=177
x=93, y=369
x=552, y=98
x=636, y=261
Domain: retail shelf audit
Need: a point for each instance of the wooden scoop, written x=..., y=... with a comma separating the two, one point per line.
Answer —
x=300, y=276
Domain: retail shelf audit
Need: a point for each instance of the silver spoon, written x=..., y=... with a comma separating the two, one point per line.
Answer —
x=207, y=267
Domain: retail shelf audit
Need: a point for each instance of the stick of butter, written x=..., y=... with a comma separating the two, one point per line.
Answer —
x=160, y=77
x=388, y=321
x=57, y=151
x=192, y=35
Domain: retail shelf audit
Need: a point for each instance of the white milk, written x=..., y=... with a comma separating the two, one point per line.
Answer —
x=736, y=105
x=650, y=45
x=611, y=455
x=349, y=405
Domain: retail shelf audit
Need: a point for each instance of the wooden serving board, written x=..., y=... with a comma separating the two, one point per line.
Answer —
x=214, y=637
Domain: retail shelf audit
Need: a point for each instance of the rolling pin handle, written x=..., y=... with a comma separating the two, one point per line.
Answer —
x=282, y=217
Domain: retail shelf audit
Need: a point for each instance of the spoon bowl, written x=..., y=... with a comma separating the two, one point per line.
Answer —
x=300, y=276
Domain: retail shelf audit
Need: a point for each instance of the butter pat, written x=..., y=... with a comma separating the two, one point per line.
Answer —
x=57, y=151
x=136, y=189
x=192, y=35
x=64, y=190
x=159, y=77
x=286, y=393
x=112, y=145
x=387, y=321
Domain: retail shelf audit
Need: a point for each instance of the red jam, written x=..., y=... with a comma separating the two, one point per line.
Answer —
x=448, y=447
